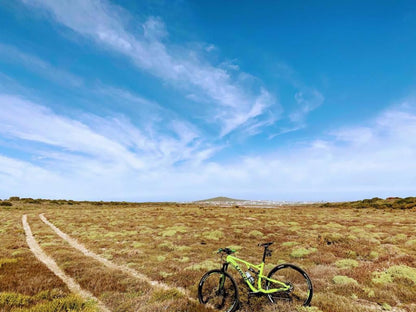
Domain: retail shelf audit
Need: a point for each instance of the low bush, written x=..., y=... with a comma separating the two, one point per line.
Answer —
x=302, y=252
x=346, y=264
x=344, y=280
x=396, y=273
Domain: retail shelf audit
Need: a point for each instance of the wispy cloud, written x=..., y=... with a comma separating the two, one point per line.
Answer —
x=112, y=141
x=103, y=22
x=27, y=121
x=16, y=175
x=372, y=159
x=251, y=119
x=163, y=137
x=307, y=99
x=304, y=100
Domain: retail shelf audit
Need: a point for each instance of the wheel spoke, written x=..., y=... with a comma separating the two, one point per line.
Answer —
x=220, y=290
x=300, y=291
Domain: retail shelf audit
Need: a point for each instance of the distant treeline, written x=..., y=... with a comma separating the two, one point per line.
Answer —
x=378, y=203
x=39, y=201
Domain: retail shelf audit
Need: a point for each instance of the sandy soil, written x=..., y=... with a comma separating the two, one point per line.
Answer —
x=51, y=264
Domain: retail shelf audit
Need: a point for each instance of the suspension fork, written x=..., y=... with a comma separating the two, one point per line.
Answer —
x=222, y=279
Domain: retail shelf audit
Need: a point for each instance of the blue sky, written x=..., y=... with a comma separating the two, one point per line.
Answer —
x=183, y=100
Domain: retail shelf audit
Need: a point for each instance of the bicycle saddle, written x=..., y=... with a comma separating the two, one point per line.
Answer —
x=265, y=244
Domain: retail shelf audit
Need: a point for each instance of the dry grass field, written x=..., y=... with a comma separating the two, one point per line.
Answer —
x=360, y=256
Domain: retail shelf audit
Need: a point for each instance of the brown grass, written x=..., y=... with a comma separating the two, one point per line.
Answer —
x=24, y=282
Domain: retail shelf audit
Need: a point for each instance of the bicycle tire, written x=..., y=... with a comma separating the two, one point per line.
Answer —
x=210, y=291
x=301, y=291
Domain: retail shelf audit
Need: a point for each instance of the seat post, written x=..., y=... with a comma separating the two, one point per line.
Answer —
x=264, y=253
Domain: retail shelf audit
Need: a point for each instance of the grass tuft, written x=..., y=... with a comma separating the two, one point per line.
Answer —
x=344, y=280
x=397, y=273
x=255, y=234
x=346, y=263
x=7, y=261
x=302, y=252
x=164, y=295
x=213, y=235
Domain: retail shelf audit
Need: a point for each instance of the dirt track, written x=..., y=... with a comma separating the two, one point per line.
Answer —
x=51, y=264
x=75, y=244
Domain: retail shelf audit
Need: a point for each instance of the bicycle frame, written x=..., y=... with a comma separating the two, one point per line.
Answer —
x=260, y=267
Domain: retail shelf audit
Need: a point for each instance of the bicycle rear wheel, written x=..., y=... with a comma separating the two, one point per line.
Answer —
x=219, y=290
x=300, y=292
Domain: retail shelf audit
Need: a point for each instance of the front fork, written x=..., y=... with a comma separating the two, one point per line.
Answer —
x=222, y=279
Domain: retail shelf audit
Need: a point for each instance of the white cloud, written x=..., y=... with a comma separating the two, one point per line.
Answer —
x=112, y=141
x=308, y=99
x=103, y=23
x=22, y=177
x=210, y=48
x=250, y=118
x=163, y=136
x=154, y=29
x=25, y=120
x=375, y=159
x=162, y=157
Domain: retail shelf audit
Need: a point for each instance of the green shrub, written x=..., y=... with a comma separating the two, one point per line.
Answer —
x=255, y=234
x=14, y=300
x=302, y=252
x=161, y=258
x=55, y=302
x=396, y=273
x=168, y=233
x=346, y=263
x=289, y=244
x=70, y=303
x=351, y=254
x=386, y=307
x=373, y=255
x=308, y=309
x=163, y=295
x=7, y=260
x=330, y=238
x=344, y=280
x=411, y=243
x=213, y=235
x=204, y=265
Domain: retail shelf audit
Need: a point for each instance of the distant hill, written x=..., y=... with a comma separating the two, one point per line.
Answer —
x=220, y=199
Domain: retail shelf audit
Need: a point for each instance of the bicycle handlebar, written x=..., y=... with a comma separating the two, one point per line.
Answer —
x=226, y=250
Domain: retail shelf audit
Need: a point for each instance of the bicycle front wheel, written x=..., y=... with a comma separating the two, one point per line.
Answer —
x=219, y=290
x=300, y=286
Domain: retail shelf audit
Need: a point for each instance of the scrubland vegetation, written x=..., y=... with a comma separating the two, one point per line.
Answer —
x=361, y=256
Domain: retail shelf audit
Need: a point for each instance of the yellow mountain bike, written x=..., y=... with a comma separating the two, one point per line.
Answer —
x=285, y=282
